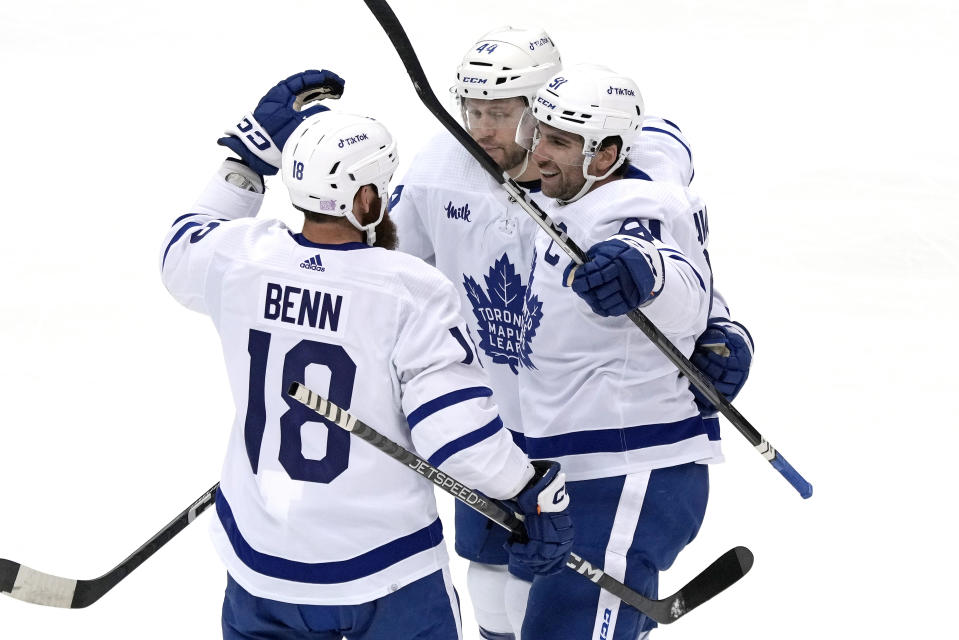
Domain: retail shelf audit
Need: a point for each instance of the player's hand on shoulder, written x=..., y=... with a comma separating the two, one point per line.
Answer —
x=259, y=137
x=723, y=353
x=623, y=272
x=544, y=505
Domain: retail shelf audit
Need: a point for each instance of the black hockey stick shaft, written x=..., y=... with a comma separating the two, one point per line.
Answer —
x=725, y=571
x=391, y=25
x=29, y=585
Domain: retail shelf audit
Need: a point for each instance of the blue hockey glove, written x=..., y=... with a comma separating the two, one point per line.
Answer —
x=549, y=528
x=623, y=272
x=259, y=137
x=723, y=353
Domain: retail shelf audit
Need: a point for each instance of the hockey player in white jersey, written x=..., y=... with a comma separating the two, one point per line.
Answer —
x=452, y=214
x=323, y=537
x=599, y=396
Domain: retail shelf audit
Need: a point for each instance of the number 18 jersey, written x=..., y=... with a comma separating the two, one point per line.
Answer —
x=305, y=514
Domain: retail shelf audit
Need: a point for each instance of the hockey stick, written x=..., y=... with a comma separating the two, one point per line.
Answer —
x=30, y=585
x=730, y=567
x=391, y=25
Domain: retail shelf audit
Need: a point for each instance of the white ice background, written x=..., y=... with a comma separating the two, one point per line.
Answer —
x=825, y=140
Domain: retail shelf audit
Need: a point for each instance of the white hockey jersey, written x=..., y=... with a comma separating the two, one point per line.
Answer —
x=304, y=514
x=452, y=214
x=598, y=396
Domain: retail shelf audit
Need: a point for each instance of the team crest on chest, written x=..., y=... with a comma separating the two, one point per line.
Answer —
x=506, y=314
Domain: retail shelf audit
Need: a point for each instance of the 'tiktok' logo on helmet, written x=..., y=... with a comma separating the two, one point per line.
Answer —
x=351, y=140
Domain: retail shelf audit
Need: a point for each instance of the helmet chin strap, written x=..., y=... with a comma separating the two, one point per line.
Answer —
x=370, y=229
x=522, y=167
x=590, y=179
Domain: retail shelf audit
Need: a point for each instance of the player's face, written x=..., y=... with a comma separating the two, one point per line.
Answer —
x=558, y=155
x=492, y=123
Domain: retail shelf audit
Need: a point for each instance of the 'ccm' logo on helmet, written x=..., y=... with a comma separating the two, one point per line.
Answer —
x=620, y=92
x=545, y=103
x=557, y=82
x=471, y=80
x=360, y=137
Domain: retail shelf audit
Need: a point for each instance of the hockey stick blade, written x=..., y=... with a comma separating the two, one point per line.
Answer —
x=23, y=583
x=722, y=573
x=716, y=578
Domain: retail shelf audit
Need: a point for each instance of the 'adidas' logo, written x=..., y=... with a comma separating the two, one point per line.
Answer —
x=313, y=263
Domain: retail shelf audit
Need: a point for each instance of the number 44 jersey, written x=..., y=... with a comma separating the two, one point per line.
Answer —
x=305, y=514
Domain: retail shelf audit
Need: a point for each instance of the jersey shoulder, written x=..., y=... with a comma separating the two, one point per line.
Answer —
x=663, y=152
x=602, y=211
x=444, y=162
x=239, y=237
x=645, y=195
x=411, y=278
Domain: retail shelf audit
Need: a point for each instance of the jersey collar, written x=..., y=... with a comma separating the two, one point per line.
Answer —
x=346, y=246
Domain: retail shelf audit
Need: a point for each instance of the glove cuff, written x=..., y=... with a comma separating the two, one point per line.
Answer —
x=546, y=491
x=240, y=175
x=257, y=141
x=650, y=252
x=731, y=326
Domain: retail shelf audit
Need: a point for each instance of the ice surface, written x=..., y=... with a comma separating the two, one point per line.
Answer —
x=825, y=143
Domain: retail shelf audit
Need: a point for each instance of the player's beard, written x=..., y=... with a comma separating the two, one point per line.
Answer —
x=385, y=229
x=565, y=184
x=386, y=233
x=513, y=157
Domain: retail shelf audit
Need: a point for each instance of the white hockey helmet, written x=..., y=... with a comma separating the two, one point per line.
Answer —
x=594, y=102
x=591, y=101
x=507, y=62
x=330, y=155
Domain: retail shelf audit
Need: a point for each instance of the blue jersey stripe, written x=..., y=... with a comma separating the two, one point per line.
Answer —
x=190, y=215
x=518, y=439
x=712, y=426
x=185, y=216
x=635, y=173
x=672, y=124
x=671, y=135
x=361, y=566
x=679, y=258
x=618, y=440
x=395, y=198
x=656, y=228
x=177, y=236
x=427, y=409
x=464, y=442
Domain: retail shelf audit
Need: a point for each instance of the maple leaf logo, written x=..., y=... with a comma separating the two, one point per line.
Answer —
x=502, y=314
